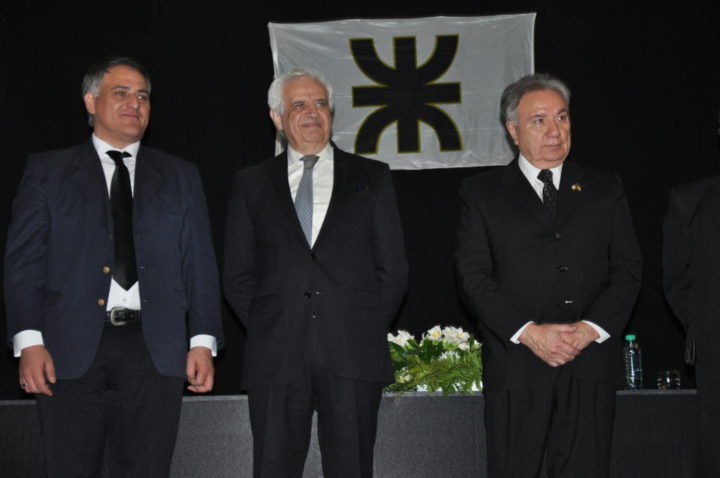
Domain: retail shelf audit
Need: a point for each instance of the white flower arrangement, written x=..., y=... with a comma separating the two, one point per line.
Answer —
x=446, y=359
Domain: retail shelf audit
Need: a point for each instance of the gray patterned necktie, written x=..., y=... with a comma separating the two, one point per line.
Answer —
x=550, y=192
x=304, y=197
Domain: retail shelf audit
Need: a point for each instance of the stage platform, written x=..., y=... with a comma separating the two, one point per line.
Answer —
x=420, y=435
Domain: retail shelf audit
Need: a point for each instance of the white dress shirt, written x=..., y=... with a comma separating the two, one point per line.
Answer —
x=531, y=174
x=117, y=297
x=322, y=183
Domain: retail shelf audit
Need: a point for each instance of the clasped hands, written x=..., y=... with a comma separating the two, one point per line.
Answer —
x=557, y=344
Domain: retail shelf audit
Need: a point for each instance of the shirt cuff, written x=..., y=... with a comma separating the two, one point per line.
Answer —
x=516, y=337
x=204, y=340
x=26, y=338
x=603, y=335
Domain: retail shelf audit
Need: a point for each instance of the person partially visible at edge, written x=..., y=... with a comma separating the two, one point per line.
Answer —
x=691, y=279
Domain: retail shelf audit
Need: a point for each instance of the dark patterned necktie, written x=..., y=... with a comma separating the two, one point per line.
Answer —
x=304, y=197
x=124, y=268
x=549, y=192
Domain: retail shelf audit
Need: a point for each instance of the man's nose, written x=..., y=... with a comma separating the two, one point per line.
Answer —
x=553, y=128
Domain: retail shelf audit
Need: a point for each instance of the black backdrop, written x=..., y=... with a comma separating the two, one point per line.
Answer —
x=645, y=104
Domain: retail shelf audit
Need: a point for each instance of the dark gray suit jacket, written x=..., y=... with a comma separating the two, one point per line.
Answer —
x=60, y=243
x=691, y=274
x=350, y=283
x=514, y=265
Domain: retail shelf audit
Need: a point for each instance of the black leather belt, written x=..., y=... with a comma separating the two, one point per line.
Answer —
x=119, y=316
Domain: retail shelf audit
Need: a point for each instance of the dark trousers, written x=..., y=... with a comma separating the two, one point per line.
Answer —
x=568, y=424
x=121, y=402
x=710, y=444
x=708, y=393
x=281, y=421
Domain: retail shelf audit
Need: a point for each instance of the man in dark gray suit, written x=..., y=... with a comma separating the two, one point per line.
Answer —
x=548, y=263
x=691, y=278
x=110, y=277
x=315, y=269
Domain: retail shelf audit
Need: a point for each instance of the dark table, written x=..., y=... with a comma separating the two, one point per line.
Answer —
x=419, y=435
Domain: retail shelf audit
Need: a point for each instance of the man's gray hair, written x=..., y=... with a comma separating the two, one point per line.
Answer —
x=276, y=102
x=536, y=82
x=92, y=82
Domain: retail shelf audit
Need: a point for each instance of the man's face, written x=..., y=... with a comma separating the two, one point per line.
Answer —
x=306, y=118
x=122, y=110
x=542, y=132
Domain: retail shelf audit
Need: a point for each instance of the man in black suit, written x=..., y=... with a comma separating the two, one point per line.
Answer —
x=548, y=263
x=315, y=269
x=691, y=278
x=109, y=270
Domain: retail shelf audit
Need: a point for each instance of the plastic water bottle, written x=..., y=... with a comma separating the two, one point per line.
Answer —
x=633, y=363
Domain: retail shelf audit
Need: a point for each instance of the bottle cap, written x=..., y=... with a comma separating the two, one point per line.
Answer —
x=630, y=337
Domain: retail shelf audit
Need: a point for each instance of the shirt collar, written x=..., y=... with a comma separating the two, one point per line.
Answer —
x=294, y=157
x=531, y=172
x=103, y=146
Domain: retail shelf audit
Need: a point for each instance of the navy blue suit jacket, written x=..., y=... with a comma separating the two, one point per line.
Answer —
x=60, y=249
x=351, y=282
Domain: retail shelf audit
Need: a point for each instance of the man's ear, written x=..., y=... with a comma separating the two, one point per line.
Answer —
x=276, y=119
x=513, y=132
x=89, y=100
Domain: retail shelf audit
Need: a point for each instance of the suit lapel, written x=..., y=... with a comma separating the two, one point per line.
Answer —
x=283, y=197
x=521, y=193
x=89, y=177
x=342, y=164
x=715, y=188
x=708, y=202
x=147, y=180
x=570, y=191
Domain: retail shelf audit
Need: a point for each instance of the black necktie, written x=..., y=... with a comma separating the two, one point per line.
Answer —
x=550, y=192
x=124, y=268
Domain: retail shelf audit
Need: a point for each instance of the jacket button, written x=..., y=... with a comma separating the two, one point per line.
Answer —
x=307, y=294
x=101, y=301
x=557, y=235
x=313, y=255
x=106, y=269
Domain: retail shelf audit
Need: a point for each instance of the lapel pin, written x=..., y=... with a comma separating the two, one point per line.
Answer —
x=576, y=187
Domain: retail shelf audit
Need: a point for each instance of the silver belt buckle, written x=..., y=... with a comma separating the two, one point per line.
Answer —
x=113, y=319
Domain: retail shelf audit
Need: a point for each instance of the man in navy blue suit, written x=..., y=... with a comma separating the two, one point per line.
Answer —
x=111, y=287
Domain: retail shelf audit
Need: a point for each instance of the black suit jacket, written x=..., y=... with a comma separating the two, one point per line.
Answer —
x=691, y=267
x=350, y=283
x=514, y=265
x=60, y=249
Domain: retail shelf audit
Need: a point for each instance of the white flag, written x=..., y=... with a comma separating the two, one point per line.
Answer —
x=415, y=93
